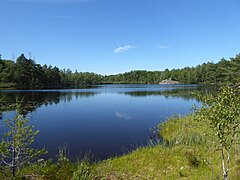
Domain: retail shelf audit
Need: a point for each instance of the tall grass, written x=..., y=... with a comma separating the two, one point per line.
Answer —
x=185, y=151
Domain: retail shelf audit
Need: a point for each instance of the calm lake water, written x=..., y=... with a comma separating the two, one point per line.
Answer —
x=103, y=121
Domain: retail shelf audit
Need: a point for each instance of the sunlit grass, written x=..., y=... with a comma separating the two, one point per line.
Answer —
x=186, y=152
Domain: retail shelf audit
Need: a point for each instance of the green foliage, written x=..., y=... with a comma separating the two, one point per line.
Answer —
x=182, y=131
x=63, y=153
x=55, y=171
x=225, y=71
x=188, y=159
x=26, y=73
x=8, y=85
x=1, y=105
x=222, y=114
x=47, y=170
x=83, y=172
x=64, y=171
x=193, y=158
x=15, y=146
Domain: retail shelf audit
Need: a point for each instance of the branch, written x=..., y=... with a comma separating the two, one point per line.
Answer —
x=8, y=164
x=8, y=157
x=232, y=139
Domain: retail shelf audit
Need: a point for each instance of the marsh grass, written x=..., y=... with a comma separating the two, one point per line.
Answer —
x=186, y=150
x=63, y=169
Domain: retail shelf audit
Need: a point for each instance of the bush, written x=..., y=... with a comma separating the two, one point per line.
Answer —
x=83, y=172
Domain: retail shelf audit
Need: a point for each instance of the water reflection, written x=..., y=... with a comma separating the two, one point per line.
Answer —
x=187, y=93
x=31, y=100
x=122, y=115
x=104, y=120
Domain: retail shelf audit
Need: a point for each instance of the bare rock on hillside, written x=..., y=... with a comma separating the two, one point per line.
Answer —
x=169, y=81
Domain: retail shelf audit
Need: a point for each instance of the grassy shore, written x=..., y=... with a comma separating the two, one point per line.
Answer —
x=187, y=151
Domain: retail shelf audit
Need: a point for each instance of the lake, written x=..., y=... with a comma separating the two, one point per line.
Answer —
x=103, y=121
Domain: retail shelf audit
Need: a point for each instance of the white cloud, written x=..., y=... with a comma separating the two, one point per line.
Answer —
x=122, y=49
x=162, y=46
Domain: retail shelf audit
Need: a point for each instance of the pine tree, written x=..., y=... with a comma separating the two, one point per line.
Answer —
x=15, y=147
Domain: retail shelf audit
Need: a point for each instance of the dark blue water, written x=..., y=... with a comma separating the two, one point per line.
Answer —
x=103, y=121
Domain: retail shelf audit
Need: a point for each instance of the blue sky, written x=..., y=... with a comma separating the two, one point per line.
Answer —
x=116, y=36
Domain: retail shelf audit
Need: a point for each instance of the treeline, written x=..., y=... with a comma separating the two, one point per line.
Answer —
x=225, y=71
x=26, y=73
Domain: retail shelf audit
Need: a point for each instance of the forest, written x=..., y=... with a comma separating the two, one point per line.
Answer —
x=25, y=73
x=206, y=73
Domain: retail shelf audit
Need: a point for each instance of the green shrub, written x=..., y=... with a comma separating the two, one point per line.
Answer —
x=193, y=158
x=83, y=172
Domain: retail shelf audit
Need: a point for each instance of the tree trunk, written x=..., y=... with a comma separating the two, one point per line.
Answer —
x=13, y=171
x=13, y=159
x=225, y=173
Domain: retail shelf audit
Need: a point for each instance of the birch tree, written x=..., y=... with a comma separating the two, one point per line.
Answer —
x=222, y=112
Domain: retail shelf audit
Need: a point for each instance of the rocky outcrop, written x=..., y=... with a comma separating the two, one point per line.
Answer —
x=169, y=81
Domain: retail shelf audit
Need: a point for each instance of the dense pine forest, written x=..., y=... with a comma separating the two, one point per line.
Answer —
x=27, y=74
x=225, y=71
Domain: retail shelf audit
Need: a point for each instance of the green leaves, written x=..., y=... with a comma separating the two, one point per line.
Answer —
x=222, y=113
x=15, y=147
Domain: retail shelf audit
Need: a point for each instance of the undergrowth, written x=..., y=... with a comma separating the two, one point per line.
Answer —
x=186, y=150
